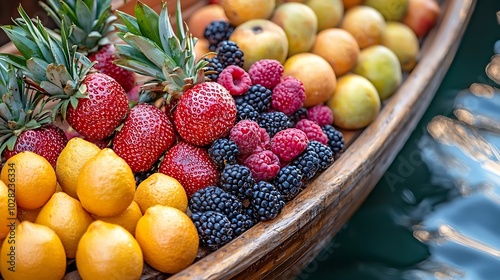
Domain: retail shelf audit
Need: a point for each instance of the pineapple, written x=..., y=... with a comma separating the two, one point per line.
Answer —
x=92, y=33
x=25, y=124
x=92, y=103
x=203, y=111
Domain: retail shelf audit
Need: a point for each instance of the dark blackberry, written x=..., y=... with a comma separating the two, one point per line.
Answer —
x=257, y=96
x=298, y=115
x=214, y=229
x=240, y=223
x=273, y=122
x=266, y=201
x=213, y=69
x=308, y=162
x=245, y=111
x=325, y=154
x=223, y=152
x=216, y=32
x=335, y=139
x=250, y=213
x=237, y=180
x=288, y=182
x=229, y=53
x=215, y=199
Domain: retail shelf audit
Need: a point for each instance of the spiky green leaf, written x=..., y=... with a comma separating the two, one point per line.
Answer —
x=147, y=20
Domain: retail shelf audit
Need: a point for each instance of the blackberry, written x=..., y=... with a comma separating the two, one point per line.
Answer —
x=257, y=96
x=240, y=223
x=213, y=198
x=308, y=162
x=273, y=122
x=335, y=139
x=223, y=152
x=229, y=53
x=216, y=32
x=250, y=213
x=245, y=111
x=298, y=115
x=288, y=182
x=214, y=229
x=266, y=201
x=213, y=69
x=237, y=180
x=325, y=154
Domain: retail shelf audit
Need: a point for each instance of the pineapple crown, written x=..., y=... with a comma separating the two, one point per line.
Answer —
x=21, y=107
x=92, y=19
x=47, y=62
x=154, y=50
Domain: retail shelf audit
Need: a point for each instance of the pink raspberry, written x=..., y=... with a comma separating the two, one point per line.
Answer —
x=264, y=165
x=246, y=135
x=266, y=72
x=289, y=143
x=288, y=96
x=235, y=80
x=312, y=130
x=265, y=140
x=321, y=114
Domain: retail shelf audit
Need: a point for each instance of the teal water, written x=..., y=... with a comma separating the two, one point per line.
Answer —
x=435, y=213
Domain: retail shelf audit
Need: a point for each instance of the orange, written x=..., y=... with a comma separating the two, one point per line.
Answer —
x=168, y=238
x=351, y=3
x=339, y=48
x=239, y=11
x=127, y=219
x=316, y=74
x=66, y=216
x=163, y=190
x=366, y=24
x=37, y=254
x=108, y=251
x=106, y=184
x=58, y=187
x=28, y=215
x=33, y=178
x=71, y=160
x=201, y=17
x=7, y=209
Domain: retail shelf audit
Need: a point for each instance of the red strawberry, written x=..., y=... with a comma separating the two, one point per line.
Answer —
x=47, y=141
x=191, y=166
x=204, y=113
x=105, y=57
x=146, y=134
x=97, y=116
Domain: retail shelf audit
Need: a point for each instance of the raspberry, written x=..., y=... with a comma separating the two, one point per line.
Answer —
x=289, y=143
x=246, y=135
x=288, y=96
x=264, y=165
x=312, y=130
x=266, y=72
x=320, y=114
x=235, y=80
x=265, y=140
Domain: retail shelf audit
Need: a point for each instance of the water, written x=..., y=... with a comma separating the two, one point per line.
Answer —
x=434, y=214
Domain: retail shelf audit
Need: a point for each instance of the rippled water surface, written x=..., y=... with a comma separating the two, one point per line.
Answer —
x=436, y=212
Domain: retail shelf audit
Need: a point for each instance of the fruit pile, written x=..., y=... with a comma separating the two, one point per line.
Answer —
x=149, y=143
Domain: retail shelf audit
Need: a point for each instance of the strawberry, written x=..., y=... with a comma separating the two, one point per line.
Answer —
x=146, y=134
x=47, y=141
x=105, y=107
x=191, y=166
x=204, y=113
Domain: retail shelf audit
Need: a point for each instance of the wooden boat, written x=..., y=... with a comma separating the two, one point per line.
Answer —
x=282, y=247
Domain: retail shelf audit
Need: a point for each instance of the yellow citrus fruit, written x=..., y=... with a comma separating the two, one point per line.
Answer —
x=7, y=209
x=366, y=24
x=28, y=215
x=339, y=48
x=163, y=190
x=168, y=238
x=58, y=187
x=33, y=178
x=106, y=184
x=37, y=254
x=239, y=11
x=71, y=160
x=127, y=219
x=315, y=73
x=66, y=216
x=108, y=251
